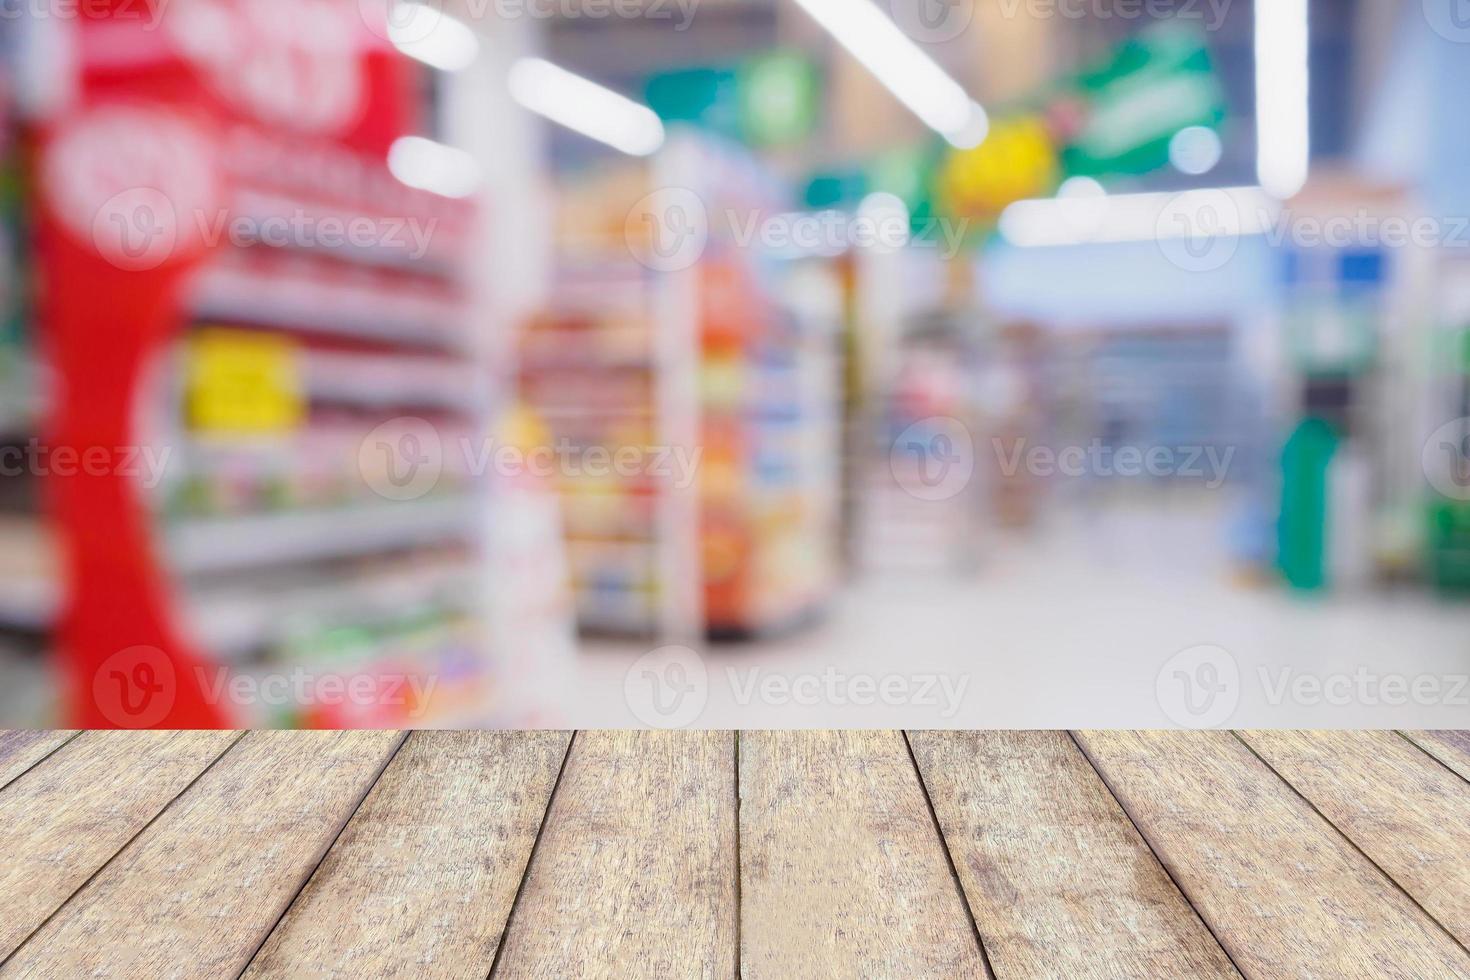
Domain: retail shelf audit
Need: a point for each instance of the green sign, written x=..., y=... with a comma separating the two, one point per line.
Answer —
x=778, y=95
x=771, y=100
x=1153, y=86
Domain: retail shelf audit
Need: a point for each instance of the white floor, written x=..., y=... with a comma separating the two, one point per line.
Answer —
x=1132, y=620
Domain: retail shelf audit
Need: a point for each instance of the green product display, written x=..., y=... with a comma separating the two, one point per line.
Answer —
x=1302, y=531
x=1449, y=546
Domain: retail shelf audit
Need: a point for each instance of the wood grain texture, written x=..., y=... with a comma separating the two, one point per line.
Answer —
x=1407, y=812
x=843, y=873
x=70, y=814
x=421, y=882
x=1060, y=881
x=1284, y=892
x=634, y=875
x=1450, y=748
x=197, y=892
x=20, y=750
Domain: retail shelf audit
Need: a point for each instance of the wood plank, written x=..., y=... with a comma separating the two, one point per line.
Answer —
x=198, y=891
x=635, y=872
x=1283, y=891
x=20, y=750
x=421, y=882
x=1403, y=809
x=1450, y=748
x=1060, y=881
x=70, y=814
x=843, y=873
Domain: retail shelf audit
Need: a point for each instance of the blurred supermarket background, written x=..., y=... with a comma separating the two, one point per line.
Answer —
x=966, y=362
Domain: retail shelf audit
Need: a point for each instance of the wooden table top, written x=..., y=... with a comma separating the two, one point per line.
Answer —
x=720, y=854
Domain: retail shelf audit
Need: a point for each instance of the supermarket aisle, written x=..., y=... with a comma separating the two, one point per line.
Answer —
x=1079, y=625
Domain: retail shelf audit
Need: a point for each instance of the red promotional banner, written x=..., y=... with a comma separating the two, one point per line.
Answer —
x=179, y=109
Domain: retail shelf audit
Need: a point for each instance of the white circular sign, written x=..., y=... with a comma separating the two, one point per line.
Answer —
x=137, y=183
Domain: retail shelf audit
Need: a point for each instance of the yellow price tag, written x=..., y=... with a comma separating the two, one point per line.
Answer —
x=244, y=382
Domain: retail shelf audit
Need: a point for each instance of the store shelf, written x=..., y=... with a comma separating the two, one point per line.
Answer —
x=235, y=622
x=378, y=380
x=219, y=544
x=305, y=303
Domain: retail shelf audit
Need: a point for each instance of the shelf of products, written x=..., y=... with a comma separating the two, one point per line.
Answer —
x=589, y=370
x=718, y=375
x=311, y=317
x=304, y=568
